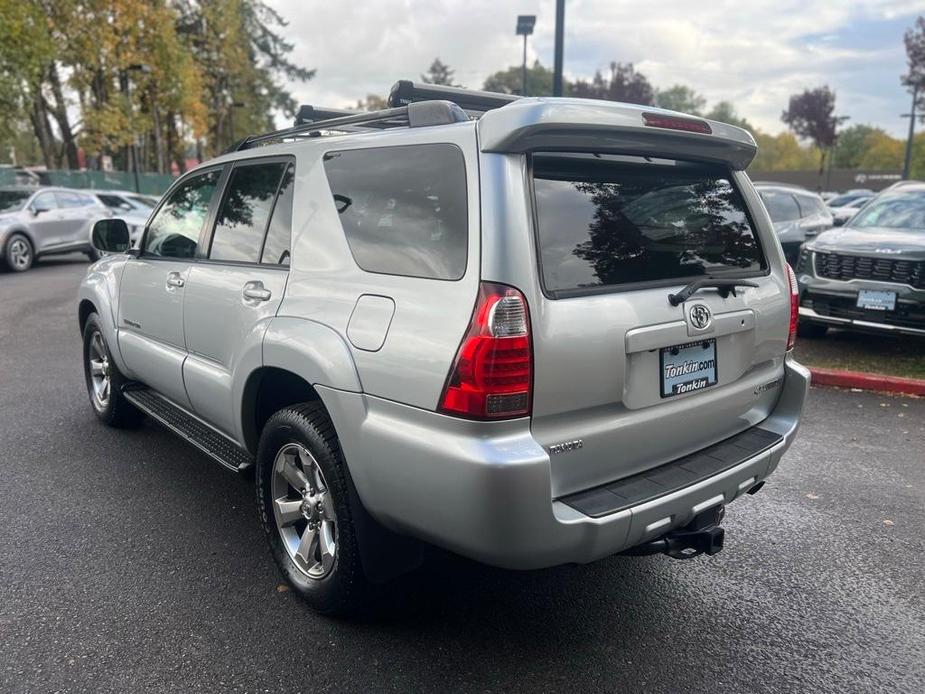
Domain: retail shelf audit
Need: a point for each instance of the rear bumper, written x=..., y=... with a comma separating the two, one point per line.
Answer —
x=483, y=490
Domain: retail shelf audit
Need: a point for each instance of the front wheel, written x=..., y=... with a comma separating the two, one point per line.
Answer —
x=303, y=498
x=105, y=381
x=18, y=254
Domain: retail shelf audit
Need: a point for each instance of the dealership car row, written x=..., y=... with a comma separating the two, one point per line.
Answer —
x=859, y=256
x=42, y=221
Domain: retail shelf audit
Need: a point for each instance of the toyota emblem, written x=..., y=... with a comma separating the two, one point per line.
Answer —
x=700, y=316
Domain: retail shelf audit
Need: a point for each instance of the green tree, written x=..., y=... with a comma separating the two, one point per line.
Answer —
x=510, y=81
x=724, y=112
x=851, y=145
x=372, y=102
x=439, y=73
x=624, y=84
x=680, y=98
x=811, y=115
x=881, y=151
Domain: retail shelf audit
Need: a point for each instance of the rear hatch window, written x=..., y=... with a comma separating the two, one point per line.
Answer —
x=608, y=223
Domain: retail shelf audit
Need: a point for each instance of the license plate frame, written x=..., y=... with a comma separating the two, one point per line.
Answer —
x=693, y=370
x=876, y=300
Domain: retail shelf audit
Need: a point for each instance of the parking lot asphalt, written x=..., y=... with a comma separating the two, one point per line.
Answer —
x=130, y=562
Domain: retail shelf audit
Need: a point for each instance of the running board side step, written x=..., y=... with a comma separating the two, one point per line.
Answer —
x=189, y=427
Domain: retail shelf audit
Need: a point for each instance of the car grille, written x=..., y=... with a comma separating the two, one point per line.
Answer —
x=850, y=267
x=906, y=315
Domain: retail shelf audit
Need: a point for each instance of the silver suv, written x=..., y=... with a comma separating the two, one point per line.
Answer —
x=530, y=331
x=45, y=221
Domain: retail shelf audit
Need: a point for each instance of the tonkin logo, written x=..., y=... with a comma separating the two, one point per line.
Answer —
x=700, y=316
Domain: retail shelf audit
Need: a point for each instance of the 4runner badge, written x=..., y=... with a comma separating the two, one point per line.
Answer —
x=566, y=446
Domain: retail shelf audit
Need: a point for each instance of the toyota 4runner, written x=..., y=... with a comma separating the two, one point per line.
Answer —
x=532, y=331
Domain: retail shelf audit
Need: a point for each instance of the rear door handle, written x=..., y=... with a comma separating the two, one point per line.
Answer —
x=255, y=291
x=175, y=280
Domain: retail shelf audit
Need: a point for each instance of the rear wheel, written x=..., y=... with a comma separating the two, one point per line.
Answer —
x=303, y=492
x=18, y=254
x=812, y=330
x=105, y=381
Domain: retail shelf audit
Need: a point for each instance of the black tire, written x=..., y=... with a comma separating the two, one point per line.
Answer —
x=18, y=253
x=115, y=410
x=344, y=589
x=812, y=330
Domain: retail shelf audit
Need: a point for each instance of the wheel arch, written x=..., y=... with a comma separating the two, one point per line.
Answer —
x=298, y=355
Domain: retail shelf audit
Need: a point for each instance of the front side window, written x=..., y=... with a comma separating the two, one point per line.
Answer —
x=605, y=220
x=45, y=201
x=174, y=231
x=782, y=207
x=403, y=209
x=245, y=211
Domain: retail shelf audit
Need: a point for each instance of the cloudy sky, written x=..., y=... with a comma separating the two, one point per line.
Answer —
x=754, y=53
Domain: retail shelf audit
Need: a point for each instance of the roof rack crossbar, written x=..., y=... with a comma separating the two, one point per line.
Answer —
x=328, y=124
x=415, y=115
x=308, y=113
x=406, y=92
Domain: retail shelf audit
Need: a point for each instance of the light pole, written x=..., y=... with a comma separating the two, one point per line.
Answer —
x=560, y=39
x=525, y=24
x=145, y=70
x=907, y=164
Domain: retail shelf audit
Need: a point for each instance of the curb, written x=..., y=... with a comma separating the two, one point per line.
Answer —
x=863, y=381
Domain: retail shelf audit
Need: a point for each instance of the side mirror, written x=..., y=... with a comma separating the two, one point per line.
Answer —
x=37, y=209
x=110, y=236
x=838, y=222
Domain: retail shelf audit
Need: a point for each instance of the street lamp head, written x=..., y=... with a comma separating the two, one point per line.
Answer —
x=525, y=23
x=140, y=67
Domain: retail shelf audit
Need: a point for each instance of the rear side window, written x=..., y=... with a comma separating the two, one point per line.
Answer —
x=245, y=211
x=403, y=209
x=782, y=207
x=276, y=247
x=604, y=221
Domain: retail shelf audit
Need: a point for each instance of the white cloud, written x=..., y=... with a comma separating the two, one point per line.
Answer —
x=753, y=53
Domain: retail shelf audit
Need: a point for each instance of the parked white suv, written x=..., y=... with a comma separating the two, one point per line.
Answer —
x=544, y=335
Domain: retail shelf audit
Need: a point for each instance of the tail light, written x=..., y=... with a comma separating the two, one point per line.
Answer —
x=492, y=375
x=794, y=308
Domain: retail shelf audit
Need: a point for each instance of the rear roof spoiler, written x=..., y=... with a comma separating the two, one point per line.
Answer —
x=585, y=125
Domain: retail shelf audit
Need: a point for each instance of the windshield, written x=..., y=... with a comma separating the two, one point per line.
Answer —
x=13, y=199
x=904, y=211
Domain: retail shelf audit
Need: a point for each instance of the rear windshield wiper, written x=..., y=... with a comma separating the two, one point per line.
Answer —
x=725, y=288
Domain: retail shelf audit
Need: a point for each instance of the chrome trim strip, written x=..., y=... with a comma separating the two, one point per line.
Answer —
x=807, y=312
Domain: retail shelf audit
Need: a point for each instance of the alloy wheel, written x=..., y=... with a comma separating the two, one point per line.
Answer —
x=20, y=254
x=304, y=510
x=100, y=371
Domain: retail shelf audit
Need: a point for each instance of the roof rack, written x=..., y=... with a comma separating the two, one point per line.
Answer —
x=308, y=114
x=471, y=100
x=416, y=115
